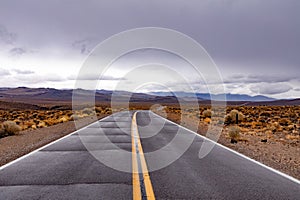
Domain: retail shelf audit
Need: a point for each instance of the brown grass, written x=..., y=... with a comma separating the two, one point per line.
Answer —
x=9, y=128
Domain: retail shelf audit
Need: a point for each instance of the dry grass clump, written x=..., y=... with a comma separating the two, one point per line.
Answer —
x=87, y=111
x=64, y=119
x=234, y=116
x=207, y=120
x=50, y=121
x=207, y=113
x=9, y=128
x=74, y=117
x=284, y=122
x=41, y=124
x=234, y=133
x=107, y=111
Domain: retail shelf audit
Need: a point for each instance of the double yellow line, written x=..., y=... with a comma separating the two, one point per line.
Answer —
x=142, y=187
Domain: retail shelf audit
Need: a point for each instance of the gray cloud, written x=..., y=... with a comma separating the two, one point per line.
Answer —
x=260, y=38
x=37, y=78
x=7, y=37
x=4, y=72
x=271, y=89
x=259, y=78
x=240, y=33
x=84, y=45
x=19, y=71
x=17, y=51
x=93, y=77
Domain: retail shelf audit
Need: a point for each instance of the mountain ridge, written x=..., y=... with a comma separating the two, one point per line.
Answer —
x=229, y=96
x=43, y=96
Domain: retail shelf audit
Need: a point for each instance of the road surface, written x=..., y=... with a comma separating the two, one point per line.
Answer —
x=93, y=163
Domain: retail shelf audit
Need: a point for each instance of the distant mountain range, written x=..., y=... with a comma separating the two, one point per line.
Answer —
x=46, y=96
x=51, y=96
x=207, y=96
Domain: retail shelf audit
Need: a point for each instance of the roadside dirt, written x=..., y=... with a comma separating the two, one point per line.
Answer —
x=278, y=152
x=13, y=147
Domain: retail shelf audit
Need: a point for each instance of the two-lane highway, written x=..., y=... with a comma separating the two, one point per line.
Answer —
x=78, y=166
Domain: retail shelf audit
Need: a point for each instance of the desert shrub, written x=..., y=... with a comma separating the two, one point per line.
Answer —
x=207, y=113
x=50, y=122
x=107, y=111
x=266, y=114
x=41, y=124
x=273, y=128
x=233, y=114
x=98, y=109
x=284, y=122
x=41, y=116
x=231, y=117
x=64, y=119
x=29, y=123
x=74, y=117
x=207, y=120
x=69, y=113
x=234, y=133
x=10, y=128
x=18, y=122
x=87, y=111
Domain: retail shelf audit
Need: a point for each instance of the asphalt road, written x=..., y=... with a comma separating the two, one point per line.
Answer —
x=111, y=160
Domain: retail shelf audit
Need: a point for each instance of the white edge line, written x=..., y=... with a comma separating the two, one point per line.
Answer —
x=34, y=151
x=237, y=153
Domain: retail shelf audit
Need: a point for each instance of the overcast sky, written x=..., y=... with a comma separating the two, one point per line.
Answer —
x=254, y=43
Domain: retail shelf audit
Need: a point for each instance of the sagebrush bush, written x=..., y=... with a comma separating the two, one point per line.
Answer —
x=98, y=109
x=284, y=122
x=74, y=117
x=51, y=121
x=207, y=120
x=207, y=113
x=10, y=128
x=41, y=124
x=87, y=111
x=234, y=133
x=231, y=117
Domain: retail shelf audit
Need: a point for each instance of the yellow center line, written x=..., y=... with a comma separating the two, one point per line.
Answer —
x=135, y=171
